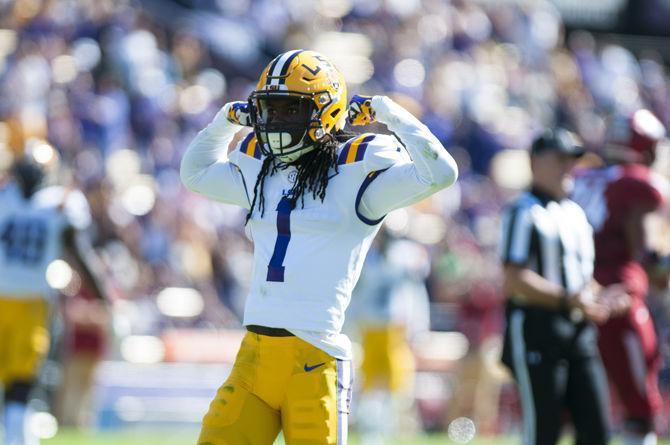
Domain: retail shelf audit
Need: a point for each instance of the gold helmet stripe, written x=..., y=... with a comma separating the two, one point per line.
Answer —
x=279, y=68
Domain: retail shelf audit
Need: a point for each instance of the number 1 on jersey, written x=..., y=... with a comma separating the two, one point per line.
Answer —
x=276, y=266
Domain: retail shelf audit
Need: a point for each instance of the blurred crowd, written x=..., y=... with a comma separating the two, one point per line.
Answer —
x=120, y=87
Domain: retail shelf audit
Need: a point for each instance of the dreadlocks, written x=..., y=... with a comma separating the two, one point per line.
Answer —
x=313, y=173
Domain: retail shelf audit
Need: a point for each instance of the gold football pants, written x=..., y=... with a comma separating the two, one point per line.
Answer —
x=388, y=362
x=24, y=337
x=280, y=383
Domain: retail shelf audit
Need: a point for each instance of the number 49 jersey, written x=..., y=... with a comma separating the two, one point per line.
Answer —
x=31, y=236
x=307, y=259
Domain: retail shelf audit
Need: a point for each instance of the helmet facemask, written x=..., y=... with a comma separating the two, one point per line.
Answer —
x=282, y=120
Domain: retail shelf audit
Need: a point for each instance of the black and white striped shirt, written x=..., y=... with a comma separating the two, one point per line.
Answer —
x=553, y=238
x=550, y=237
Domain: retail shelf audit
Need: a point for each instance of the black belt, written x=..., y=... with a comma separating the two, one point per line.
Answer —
x=270, y=332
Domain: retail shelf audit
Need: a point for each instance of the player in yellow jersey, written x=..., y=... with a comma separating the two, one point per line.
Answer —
x=316, y=198
x=36, y=228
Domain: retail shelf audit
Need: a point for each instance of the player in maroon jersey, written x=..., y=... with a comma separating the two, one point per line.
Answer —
x=618, y=200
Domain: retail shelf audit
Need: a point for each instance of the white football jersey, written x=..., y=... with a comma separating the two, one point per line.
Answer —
x=307, y=259
x=31, y=233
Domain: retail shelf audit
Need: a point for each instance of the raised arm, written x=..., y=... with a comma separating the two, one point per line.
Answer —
x=205, y=167
x=429, y=168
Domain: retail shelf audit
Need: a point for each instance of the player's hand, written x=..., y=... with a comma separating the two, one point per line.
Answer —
x=596, y=312
x=593, y=310
x=360, y=110
x=617, y=299
x=238, y=113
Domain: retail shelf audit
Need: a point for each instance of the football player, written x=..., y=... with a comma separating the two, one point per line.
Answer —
x=36, y=228
x=618, y=200
x=389, y=305
x=315, y=198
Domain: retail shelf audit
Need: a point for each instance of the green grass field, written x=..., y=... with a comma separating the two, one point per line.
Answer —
x=172, y=437
x=180, y=438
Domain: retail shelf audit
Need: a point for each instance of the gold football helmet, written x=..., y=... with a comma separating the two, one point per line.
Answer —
x=300, y=98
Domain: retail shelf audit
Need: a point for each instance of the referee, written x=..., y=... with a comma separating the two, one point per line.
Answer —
x=550, y=339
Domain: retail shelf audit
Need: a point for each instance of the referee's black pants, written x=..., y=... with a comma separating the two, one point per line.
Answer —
x=550, y=384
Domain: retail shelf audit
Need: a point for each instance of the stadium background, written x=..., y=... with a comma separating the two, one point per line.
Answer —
x=119, y=88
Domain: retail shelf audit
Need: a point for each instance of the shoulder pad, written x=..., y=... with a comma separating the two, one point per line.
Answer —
x=249, y=146
x=376, y=150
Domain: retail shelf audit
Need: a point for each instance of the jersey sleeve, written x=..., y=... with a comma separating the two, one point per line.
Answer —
x=246, y=150
x=516, y=235
x=392, y=181
x=399, y=178
x=376, y=151
x=206, y=168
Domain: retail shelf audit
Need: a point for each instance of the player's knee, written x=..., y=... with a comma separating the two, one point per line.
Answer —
x=639, y=425
x=18, y=391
